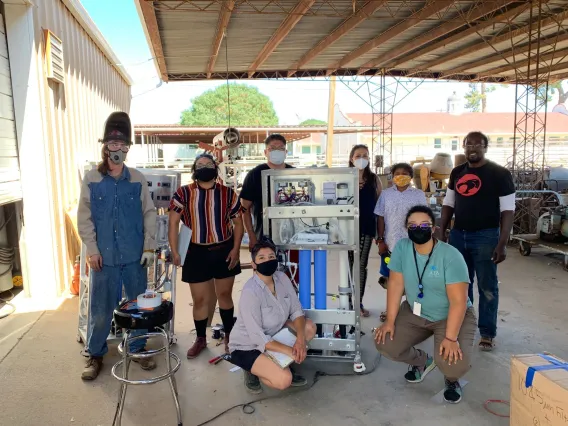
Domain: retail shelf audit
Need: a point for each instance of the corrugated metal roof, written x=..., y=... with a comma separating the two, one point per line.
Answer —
x=188, y=31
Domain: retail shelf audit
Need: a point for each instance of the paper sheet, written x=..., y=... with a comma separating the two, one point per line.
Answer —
x=184, y=239
x=285, y=337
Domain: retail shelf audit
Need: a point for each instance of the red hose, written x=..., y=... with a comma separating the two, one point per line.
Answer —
x=495, y=401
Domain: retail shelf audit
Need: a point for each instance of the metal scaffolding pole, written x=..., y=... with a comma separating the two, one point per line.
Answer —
x=380, y=93
x=531, y=94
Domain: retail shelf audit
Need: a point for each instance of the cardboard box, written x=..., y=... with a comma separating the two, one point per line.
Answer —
x=539, y=390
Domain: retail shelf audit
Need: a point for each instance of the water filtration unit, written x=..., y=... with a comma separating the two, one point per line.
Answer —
x=316, y=211
x=162, y=274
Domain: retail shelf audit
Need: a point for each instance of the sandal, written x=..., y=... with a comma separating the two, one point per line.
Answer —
x=383, y=316
x=364, y=313
x=486, y=344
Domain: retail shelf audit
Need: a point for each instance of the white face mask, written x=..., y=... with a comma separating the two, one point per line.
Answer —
x=361, y=163
x=277, y=157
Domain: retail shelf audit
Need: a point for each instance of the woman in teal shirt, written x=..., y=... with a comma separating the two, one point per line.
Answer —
x=435, y=278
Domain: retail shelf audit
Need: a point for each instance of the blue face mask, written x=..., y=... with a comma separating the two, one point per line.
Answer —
x=277, y=157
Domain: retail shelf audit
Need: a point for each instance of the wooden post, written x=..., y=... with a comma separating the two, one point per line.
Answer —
x=330, y=122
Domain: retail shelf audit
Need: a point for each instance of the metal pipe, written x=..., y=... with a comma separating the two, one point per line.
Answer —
x=320, y=279
x=305, y=289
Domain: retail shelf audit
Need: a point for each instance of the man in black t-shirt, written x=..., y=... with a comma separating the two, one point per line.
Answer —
x=251, y=193
x=481, y=194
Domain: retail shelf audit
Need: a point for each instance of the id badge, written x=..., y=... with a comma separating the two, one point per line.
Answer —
x=417, y=309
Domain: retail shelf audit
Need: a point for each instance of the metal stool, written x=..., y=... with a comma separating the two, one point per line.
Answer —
x=129, y=317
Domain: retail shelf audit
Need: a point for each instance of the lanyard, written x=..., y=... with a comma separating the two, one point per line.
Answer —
x=420, y=276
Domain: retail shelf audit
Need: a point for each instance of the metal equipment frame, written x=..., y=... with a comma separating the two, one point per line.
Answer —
x=349, y=213
x=546, y=201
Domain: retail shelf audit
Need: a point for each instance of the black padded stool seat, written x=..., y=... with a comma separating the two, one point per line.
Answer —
x=130, y=317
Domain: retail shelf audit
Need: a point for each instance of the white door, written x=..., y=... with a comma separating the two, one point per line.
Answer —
x=10, y=187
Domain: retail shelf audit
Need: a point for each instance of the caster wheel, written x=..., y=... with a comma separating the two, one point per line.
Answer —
x=173, y=341
x=524, y=249
x=359, y=367
x=79, y=339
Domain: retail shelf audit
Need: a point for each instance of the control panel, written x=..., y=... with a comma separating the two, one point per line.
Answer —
x=323, y=191
x=162, y=185
x=311, y=206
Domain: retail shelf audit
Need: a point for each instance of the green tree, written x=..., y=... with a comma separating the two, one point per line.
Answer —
x=247, y=106
x=313, y=122
x=562, y=93
x=477, y=97
x=552, y=89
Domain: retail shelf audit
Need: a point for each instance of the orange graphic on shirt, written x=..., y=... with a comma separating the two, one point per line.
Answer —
x=468, y=185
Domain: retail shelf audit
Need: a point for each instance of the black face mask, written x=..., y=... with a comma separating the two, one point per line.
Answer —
x=267, y=268
x=206, y=174
x=420, y=235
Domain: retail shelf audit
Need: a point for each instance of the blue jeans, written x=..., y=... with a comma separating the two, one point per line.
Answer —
x=477, y=249
x=105, y=293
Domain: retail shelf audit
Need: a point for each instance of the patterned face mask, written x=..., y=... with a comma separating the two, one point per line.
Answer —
x=402, y=180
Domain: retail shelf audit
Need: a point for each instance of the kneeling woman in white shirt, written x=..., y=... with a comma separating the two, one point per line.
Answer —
x=268, y=304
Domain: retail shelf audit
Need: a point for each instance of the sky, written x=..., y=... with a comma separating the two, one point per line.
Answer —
x=294, y=100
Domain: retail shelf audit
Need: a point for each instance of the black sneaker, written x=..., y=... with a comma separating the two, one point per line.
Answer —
x=417, y=374
x=452, y=392
x=297, y=380
x=252, y=383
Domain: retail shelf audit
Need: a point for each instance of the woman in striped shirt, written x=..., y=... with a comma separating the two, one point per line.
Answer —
x=213, y=212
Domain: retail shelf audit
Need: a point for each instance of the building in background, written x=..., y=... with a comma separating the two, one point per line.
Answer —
x=59, y=80
x=425, y=134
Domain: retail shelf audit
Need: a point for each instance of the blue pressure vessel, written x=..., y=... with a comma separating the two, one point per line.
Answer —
x=305, y=285
x=320, y=279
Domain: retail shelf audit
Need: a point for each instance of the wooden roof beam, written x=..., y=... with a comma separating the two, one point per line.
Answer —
x=430, y=9
x=473, y=29
x=149, y=15
x=520, y=50
x=285, y=27
x=508, y=36
x=345, y=27
x=222, y=24
x=469, y=16
x=557, y=54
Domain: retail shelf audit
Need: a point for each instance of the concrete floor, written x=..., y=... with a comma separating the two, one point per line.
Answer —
x=40, y=367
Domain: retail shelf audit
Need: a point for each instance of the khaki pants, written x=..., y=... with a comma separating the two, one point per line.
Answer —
x=411, y=330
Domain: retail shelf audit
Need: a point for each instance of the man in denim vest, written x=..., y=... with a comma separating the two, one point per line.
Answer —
x=117, y=223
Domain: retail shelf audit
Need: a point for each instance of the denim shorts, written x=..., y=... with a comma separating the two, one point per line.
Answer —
x=245, y=359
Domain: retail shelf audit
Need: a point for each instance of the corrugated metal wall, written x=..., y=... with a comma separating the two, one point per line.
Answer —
x=75, y=112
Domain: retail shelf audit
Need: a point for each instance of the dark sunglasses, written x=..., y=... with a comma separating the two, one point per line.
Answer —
x=423, y=226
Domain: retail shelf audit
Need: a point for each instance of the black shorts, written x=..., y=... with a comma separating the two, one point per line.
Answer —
x=245, y=359
x=204, y=263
